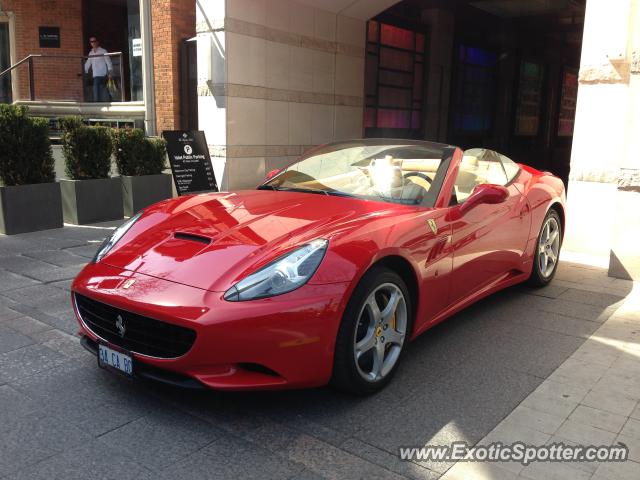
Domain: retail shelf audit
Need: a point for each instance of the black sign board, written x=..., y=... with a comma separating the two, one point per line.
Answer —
x=49, y=37
x=190, y=162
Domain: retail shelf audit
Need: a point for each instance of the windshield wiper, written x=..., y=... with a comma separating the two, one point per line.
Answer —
x=336, y=193
x=341, y=194
x=293, y=189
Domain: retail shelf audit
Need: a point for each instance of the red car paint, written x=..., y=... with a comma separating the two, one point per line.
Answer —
x=470, y=255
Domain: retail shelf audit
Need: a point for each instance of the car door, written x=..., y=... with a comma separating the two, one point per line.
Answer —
x=488, y=240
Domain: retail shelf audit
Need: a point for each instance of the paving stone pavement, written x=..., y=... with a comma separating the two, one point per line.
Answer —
x=557, y=363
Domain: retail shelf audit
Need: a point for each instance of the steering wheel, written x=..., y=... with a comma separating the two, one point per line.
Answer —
x=418, y=174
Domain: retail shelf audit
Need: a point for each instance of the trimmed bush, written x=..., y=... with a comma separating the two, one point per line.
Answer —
x=70, y=123
x=87, y=150
x=138, y=155
x=25, y=148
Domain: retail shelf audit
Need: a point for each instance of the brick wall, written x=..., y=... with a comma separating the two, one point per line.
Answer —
x=55, y=79
x=172, y=22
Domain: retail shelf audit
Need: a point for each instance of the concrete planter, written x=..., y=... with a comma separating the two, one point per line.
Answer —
x=90, y=201
x=142, y=191
x=27, y=208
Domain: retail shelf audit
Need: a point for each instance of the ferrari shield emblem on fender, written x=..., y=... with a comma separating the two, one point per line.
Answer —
x=129, y=283
x=432, y=224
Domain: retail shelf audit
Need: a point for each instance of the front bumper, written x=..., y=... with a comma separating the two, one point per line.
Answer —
x=280, y=342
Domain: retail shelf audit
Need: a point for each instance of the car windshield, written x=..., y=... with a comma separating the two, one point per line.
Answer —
x=397, y=172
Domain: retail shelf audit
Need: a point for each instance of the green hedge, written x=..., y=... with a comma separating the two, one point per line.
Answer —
x=136, y=154
x=25, y=149
x=87, y=150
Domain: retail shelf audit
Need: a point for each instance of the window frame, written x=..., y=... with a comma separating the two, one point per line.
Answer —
x=372, y=101
x=498, y=159
x=502, y=157
x=428, y=201
x=10, y=19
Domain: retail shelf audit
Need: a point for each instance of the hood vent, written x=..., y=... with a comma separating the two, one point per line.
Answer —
x=193, y=238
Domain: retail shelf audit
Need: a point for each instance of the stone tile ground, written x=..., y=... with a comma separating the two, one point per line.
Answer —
x=537, y=365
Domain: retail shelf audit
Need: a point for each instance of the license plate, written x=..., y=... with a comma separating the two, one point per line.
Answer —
x=111, y=358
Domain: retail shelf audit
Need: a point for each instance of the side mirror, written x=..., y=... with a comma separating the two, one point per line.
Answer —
x=273, y=173
x=485, y=193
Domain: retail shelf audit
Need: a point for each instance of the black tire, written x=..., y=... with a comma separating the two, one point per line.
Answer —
x=537, y=279
x=345, y=372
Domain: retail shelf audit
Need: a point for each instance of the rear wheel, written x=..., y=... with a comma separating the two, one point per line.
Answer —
x=374, y=330
x=547, y=250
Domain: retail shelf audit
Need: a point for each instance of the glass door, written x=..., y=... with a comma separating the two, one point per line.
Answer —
x=116, y=23
x=5, y=62
x=134, y=38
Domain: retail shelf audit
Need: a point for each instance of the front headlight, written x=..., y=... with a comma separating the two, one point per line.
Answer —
x=283, y=275
x=117, y=234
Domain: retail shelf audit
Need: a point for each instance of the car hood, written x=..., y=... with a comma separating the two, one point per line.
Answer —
x=211, y=241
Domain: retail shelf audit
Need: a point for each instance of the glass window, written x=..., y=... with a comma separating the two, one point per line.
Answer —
x=474, y=90
x=511, y=168
x=529, y=99
x=393, y=80
x=478, y=166
x=568, y=99
x=373, y=170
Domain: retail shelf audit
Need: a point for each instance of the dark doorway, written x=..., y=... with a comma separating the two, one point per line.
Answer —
x=5, y=62
x=189, y=85
x=116, y=23
x=474, y=90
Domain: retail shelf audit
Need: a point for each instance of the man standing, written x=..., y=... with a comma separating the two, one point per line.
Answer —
x=101, y=68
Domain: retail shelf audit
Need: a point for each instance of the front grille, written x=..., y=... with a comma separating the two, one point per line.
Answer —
x=142, y=334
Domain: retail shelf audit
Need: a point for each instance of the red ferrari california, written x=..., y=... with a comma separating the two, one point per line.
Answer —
x=323, y=273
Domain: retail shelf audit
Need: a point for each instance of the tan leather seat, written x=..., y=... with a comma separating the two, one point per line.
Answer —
x=467, y=177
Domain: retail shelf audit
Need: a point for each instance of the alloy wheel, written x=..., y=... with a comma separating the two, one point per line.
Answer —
x=549, y=247
x=380, y=332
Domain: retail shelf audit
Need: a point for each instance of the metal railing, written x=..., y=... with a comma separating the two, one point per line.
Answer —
x=29, y=62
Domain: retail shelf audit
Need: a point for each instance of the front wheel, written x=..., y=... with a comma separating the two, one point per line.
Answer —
x=374, y=330
x=547, y=251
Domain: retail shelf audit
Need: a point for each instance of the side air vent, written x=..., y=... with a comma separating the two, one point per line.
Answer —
x=257, y=368
x=193, y=238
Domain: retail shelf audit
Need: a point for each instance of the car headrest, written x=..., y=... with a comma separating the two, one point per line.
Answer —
x=470, y=161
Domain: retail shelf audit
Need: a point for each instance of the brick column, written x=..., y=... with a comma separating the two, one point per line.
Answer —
x=55, y=79
x=172, y=22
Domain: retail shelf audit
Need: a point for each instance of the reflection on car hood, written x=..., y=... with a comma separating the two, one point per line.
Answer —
x=211, y=241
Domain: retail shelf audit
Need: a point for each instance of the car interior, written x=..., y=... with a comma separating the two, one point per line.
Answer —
x=397, y=174
x=401, y=174
x=477, y=167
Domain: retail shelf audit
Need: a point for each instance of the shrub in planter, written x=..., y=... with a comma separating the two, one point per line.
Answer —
x=137, y=154
x=29, y=197
x=25, y=156
x=140, y=161
x=90, y=195
x=87, y=150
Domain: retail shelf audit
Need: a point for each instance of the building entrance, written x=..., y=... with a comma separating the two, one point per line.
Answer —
x=116, y=23
x=496, y=74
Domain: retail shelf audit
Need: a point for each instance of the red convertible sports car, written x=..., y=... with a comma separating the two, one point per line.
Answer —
x=323, y=273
